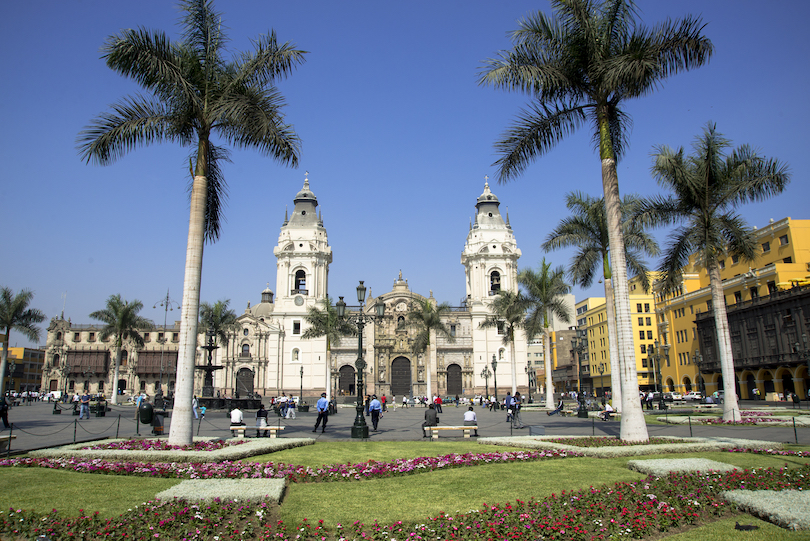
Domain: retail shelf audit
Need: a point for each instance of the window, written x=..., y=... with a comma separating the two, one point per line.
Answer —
x=245, y=350
x=494, y=283
x=452, y=330
x=91, y=337
x=737, y=297
x=77, y=336
x=641, y=335
x=644, y=349
x=649, y=321
x=146, y=337
x=754, y=293
x=244, y=332
x=501, y=329
x=644, y=362
x=735, y=259
x=649, y=335
x=787, y=260
x=771, y=288
x=783, y=240
x=143, y=385
x=160, y=337
x=300, y=282
x=646, y=307
x=638, y=307
x=296, y=327
x=100, y=386
x=721, y=263
x=641, y=322
x=766, y=247
x=691, y=308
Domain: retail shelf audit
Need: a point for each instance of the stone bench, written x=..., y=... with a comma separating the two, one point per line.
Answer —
x=433, y=431
x=242, y=428
x=705, y=406
x=5, y=441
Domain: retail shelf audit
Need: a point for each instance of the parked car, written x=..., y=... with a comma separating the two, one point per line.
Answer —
x=676, y=396
x=693, y=395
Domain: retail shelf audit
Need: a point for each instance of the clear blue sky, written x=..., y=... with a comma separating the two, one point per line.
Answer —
x=397, y=138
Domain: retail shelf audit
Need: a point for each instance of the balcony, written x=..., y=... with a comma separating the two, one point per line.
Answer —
x=299, y=292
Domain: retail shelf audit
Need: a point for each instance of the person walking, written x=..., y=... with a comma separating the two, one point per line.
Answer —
x=323, y=413
x=471, y=419
x=194, y=406
x=517, y=421
x=382, y=401
x=438, y=401
x=261, y=420
x=404, y=401
x=431, y=419
x=5, y=405
x=507, y=403
x=290, y=409
x=84, y=405
x=375, y=408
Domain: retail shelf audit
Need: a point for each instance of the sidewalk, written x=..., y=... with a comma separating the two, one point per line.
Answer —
x=36, y=427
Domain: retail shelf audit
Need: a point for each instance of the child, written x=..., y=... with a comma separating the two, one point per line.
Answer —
x=202, y=412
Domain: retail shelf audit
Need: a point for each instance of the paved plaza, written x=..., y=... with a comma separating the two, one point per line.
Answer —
x=35, y=426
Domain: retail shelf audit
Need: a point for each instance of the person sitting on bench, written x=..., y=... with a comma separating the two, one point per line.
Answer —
x=607, y=413
x=559, y=408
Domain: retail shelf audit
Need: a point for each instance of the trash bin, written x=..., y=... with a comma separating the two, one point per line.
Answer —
x=537, y=431
x=101, y=409
x=146, y=412
x=157, y=425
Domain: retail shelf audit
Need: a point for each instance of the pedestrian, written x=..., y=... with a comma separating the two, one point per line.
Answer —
x=404, y=401
x=471, y=419
x=4, y=407
x=84, y=405
x=290, y=409
x=282, y=405
x=375, y=408
x=202, y=412
x=261, y=420
x=323, y=413
x=507, y=403
x=431, y=419
x=237, y=419
x=517, y=421
x=382, y=401
x=194, y=406
x=366, y=404
x=438, y=401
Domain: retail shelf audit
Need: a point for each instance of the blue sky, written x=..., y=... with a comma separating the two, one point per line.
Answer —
x=397, y=138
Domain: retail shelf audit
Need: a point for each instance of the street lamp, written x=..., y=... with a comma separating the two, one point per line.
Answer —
x=486, y=374
x=698, y=360
x=656, y=358
x=66, y=372
x=301, y=391
x=167, y=304
x=360, y=428
x=601, y=370
x=531, y=378
x=495, y=375
x=11, y=368
x=579, y=344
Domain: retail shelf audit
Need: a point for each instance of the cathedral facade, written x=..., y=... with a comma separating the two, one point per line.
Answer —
x=266, y=352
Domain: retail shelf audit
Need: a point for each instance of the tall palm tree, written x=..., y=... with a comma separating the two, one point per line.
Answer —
x=706, y=188
x=579, y=68
x=196, y=93
x=121, y=321
x=545, y=290
x=325, y=322
x=15, y=315
x=427, y=320
x=219, y=318
x=508, y=315
x=586, y=229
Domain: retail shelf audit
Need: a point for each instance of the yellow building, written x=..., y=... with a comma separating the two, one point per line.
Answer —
x=26, y=374
x=763, y=297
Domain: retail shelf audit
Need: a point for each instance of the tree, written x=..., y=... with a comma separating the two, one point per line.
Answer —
x=218, y=318
x=427, y=320
x=508, y=315
x=580, y=68
x=706, y=189
x=121, y=321
x=325, y=322
x=195, y=94
x=15, y=315
x=545, y=290
x=586, y=229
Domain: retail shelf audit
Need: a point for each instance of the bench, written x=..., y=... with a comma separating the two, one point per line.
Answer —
x=5, y=441
x=568, y=413
x=242, y=428
x=433, y=431
x=705, y=406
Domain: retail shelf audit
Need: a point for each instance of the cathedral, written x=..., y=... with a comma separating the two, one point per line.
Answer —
x=266, y=352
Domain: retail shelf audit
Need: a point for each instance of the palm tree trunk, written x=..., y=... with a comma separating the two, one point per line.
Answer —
x=613, y=347
x=513, y=364
x=182, y=429
x=633, y=426
x=731, y=409
x=116, y=371
x=549, y=366
x=4, y=362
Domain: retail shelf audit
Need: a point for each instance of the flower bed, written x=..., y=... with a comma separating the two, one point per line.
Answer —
x=161, y=445
x=610, y=441
x=693, y=445
x=290, y=472
x=233, y=451
x=632, y=510
x=747, y=419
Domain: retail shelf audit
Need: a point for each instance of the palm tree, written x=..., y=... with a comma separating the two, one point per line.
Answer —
x=508, y=315
x=427, y=319
x=16, y=316
x=196, y=93
x=586, y=230
x=580, y=68
x=545, y=290
x=217, y=318
x=706, y=189
x=121, y=320
x=325, y=322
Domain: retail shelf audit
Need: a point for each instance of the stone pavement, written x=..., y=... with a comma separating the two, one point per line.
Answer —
x=36, y=427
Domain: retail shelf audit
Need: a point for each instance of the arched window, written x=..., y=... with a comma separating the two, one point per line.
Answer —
x=123, y=357
x=59, y=336
x=56, y=360
x=494, y=283
x=245, y=350
x=300, y=282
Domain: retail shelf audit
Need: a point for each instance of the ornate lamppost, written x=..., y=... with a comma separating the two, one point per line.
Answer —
x=601, y=370
x=360, y=428
x=656, y=358
x=578, y=345
x=301, y=391
x=167, y=304
x=530, y=373
x=698, y=360
x=486, y=374
x=495, y=375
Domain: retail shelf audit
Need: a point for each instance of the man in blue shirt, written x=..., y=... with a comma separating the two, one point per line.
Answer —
x=323, y=413
x=84, y=406
x=375, y=408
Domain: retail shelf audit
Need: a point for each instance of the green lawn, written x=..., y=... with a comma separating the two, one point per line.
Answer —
x=414, y=497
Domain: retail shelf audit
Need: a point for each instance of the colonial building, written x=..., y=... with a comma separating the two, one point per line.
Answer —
x=266, y=352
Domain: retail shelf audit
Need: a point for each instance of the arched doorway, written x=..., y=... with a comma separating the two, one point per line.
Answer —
x=122, y=386
x=687, y=384
x=787, y=383
x=244, y=383
x=401, y=377
x=751, y=384
x=346, y=383
x=454, y=386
